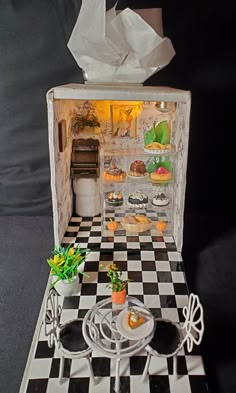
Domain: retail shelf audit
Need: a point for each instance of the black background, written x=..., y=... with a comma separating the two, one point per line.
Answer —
x=34, y=58
x=203, y=36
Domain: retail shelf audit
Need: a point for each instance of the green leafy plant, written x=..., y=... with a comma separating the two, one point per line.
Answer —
x=117, y=284
x=65, y=262
x=158, y=133
x=80, y=121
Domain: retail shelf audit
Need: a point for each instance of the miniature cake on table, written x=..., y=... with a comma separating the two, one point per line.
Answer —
x=137, y=169
x=114, y=174
x=135, y=319
x=160, y=199
x=161, y=175
x=115, y=198
x=137, y=199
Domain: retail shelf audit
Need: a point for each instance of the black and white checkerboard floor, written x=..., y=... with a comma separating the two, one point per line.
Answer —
x=151, y=261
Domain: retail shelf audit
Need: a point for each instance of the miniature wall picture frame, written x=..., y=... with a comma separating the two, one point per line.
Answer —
x=62, y=135
x=124, y=120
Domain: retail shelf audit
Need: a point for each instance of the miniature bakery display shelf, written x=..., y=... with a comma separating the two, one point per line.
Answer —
x=140, y=183
x=141, y=149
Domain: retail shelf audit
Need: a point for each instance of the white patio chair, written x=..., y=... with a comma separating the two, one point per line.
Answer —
x=170, y=337
x=67, y=338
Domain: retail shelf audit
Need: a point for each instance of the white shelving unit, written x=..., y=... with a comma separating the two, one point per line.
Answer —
x=122, y=158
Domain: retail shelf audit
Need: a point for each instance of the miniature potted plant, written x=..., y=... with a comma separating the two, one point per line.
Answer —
x=85, y=123
x=117, y=284
x=65, y=268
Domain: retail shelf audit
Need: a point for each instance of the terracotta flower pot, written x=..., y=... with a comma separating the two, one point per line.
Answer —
x=119, y=297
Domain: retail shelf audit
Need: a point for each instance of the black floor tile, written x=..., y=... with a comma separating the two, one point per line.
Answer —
x=159, y=384
x=164, y=277
x=101, y=366
x=160, y=255
x=133, y=255
x=150, y=288
x=135, y=276
x=198, y=384
x=37, y=385
x=43, y=350
x=88, y=289
x=102, y=277
x=137, y=364
x=168, y=301
x=124, y=385
x=146, y=246
x=181, y=365
x=91, y=266
x=180, y=289
x=78, y=385
x=84, y=229
x=148, y=266
x=176, y=266
x=71, y=302
x=106, y=256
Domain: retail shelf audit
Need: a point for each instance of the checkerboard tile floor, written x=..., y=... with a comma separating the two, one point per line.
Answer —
x=151, y=261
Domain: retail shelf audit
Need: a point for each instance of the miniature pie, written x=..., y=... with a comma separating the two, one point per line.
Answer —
x=135, y=319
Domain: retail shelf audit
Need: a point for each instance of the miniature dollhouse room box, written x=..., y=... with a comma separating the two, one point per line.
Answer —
x=119, y=151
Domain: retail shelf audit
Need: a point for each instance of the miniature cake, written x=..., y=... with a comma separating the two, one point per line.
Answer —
x=137, y=169
x=114, y=174
x=115, y=198
x=160, y=200
x=161, y=174
x=137, y=199
x=135, y=319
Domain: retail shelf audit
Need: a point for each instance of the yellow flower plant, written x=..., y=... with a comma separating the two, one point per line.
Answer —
x=65, y=262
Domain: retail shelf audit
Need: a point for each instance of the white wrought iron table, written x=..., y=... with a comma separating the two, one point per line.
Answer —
x=101, y=333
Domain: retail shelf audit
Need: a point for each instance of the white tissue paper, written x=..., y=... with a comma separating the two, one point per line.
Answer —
x=114, y=48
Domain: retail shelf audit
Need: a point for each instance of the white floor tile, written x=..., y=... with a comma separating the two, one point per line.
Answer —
x=166, y=288
x=179, y=385
x=55, y=386
x=195, y=365
x=40, y=368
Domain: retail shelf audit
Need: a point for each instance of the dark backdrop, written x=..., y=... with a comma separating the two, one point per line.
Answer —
x=34, y=58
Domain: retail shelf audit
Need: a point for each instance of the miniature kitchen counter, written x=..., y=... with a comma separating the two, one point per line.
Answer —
x=156, y=269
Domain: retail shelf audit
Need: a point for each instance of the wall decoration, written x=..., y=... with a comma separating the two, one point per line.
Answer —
x=124, y=120
x=62, y=135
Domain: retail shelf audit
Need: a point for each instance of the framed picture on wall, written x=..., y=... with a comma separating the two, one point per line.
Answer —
x=62, y=135
x=124, y=120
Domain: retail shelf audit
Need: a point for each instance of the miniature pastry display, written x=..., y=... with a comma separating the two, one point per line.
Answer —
x=112, y=226
x=161, y=174
x=161, y=225
x=160, y=171
x=137, y=169
x=160, y=200
x=134, y=319
x=136, y=223
x=137, y=199
x=114, y=174
x=115, y=198
x=157, y=139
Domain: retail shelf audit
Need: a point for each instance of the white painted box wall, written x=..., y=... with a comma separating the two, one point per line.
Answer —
x=62, y=195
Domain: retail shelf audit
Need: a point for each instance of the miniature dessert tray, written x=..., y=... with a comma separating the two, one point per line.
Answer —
x=139, y=332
